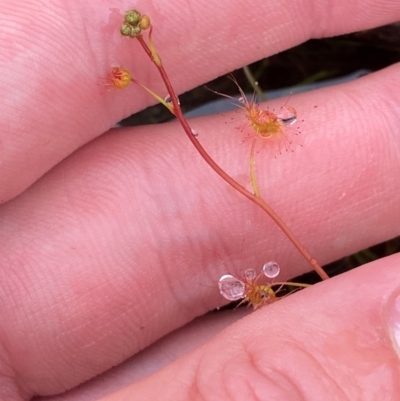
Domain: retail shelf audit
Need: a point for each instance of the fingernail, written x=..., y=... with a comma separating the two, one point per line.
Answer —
x=394, y=323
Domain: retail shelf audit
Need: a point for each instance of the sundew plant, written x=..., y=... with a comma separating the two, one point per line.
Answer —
x=265, y=125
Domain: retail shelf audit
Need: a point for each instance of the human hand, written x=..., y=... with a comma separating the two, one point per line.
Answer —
x=117, y=244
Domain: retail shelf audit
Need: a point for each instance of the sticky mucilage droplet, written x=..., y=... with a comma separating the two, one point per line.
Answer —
x=231, y=288
x=271, y=269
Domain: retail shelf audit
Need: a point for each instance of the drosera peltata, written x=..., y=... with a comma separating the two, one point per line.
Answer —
x=249, y=289
x=134, y=26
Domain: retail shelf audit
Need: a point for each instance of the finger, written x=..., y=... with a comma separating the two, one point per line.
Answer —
x=132, y=244
x=307, y=346
x=160, y=354
x=74, y=45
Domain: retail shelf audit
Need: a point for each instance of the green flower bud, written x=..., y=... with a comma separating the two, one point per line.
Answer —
x=126, y=30
x=144, y=22
x=135, y=31
x=132, y=17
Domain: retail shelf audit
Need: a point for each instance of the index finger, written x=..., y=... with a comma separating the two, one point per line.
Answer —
x=53, y=59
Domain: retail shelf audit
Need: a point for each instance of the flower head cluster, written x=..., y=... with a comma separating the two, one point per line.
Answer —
x=134, y=23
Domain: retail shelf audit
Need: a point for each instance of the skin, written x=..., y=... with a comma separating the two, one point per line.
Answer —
x=111, y=239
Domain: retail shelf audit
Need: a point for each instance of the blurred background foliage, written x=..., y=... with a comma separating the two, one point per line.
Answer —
x=312, y=62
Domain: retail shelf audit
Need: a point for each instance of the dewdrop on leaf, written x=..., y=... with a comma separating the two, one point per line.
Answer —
x=248, y=289
x=287, y=115
x=231, y=288
x=271, y=269
x=267, y=124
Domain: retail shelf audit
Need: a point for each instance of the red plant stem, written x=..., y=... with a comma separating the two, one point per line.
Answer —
x=257, y=200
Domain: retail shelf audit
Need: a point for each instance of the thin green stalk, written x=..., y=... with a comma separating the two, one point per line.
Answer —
x=253, y=177
x=291, y=283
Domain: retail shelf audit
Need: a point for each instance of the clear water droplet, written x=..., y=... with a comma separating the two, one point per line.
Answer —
x=242, y=99
x=271, y=269
x=195, y=133
x=255, y=83
x=231, y=288
x=250, y=275
x=287, y=115
x=168, y=99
